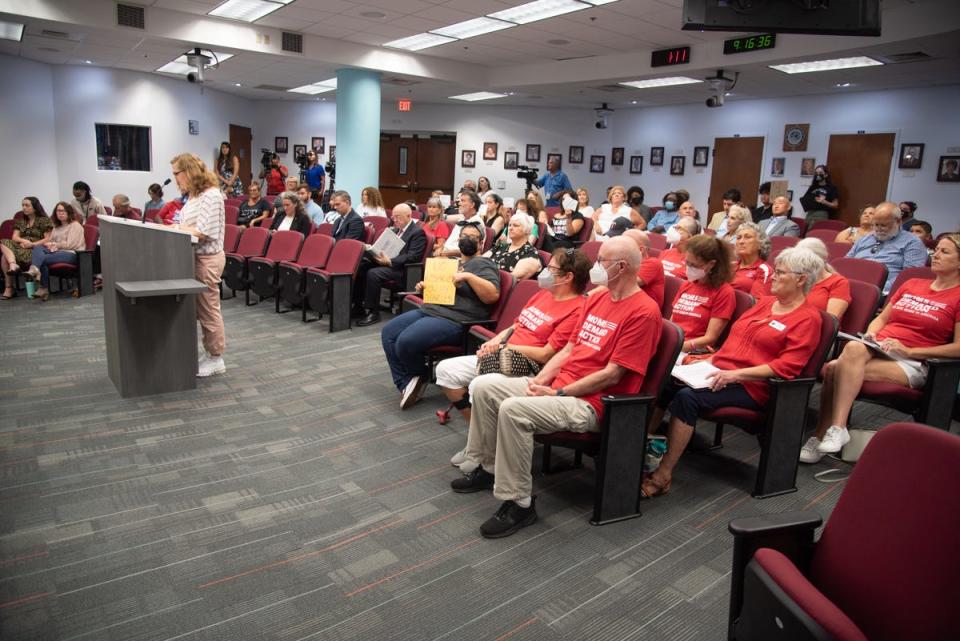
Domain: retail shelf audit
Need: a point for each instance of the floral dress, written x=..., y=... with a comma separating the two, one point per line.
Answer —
x=233, y=187
x=507, y=260
x=41, y=225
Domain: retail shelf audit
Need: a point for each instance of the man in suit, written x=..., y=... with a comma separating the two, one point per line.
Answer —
x=349, y=224
x=376, y=269
x=780, y=224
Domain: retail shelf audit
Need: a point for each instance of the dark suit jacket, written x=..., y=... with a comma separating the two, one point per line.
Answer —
x=301, y=223
x=349, y=226
x=415, y=241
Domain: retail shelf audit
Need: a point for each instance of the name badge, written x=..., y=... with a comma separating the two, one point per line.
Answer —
x=777, y=325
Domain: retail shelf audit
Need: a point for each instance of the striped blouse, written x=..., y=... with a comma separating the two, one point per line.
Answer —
x=205, y=213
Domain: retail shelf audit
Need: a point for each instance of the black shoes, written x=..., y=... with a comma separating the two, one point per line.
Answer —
x=475, y=481
x=371, y=318
x=509, y=518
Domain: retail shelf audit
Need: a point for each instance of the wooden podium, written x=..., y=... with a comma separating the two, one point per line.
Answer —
x=149, y=311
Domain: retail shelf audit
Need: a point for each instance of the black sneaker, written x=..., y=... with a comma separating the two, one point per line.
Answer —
x=508, y=519
x=474, y=481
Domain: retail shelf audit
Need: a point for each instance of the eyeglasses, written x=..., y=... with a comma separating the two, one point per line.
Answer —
x=780, y=273
x=177, y=173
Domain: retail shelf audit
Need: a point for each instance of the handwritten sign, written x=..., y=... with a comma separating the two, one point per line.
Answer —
x=438, y=286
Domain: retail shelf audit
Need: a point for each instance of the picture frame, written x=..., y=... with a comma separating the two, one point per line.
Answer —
x=557, y=157
x=511, y=159
x=533, y=153
x=597, y=164
x=489, y=151
x=333, y=154
x=280, y=145
x=656, y=156
x=575, y=155
x=795, y=136
x=299, y=150
x=701, y=156
x=468, y=158
x=636, y=164
x=911, y=155
x=808, y=167
x=317, y=144
x=948, y=169
x=193, y=126
x=776, y=166
x=616, y=156
x=677, y=165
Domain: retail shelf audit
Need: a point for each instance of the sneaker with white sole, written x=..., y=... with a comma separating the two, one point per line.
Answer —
x=411, y=393
x=809, y=453
x=211, y=366
x=459, y=458
x=834, y=440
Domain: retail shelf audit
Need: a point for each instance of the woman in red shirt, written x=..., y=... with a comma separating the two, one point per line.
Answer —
x=674, y=259
x=752, y=247
x=921, y=320
x=776, y=337
x=437, y=226
x=831, y=292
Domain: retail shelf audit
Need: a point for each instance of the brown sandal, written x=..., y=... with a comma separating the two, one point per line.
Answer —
x=651, y=488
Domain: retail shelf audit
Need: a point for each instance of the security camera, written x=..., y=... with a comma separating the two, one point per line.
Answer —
x=719, y=86
x=199, y=62
x=603, y=115
x=196, y=76
x=715, y=101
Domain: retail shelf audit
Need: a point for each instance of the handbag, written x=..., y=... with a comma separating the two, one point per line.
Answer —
x=507, y=362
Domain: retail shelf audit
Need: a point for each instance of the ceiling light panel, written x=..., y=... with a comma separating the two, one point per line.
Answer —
x=318, y=87
x=475, y=27
x=660, y=82
x=11, y=31
x=480, y=95
x=247, y=10
x=539, y=10
x=827, y=65
x=419, y=41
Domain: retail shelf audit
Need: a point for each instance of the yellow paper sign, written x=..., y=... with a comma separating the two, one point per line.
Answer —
x=438, y=287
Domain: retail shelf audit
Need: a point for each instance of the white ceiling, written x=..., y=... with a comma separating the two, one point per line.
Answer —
x=603, y=45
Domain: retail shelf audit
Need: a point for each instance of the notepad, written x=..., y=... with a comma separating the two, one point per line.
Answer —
x=695, y=374
x=874, y=346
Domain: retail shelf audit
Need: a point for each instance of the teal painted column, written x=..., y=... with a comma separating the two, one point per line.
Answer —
x=358, y=131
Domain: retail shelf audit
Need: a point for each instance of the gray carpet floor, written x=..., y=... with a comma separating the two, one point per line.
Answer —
x=291, y=499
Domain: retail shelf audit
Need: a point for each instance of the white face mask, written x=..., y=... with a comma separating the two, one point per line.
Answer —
x=598, y=275
x=569, y=203
x=695, y=273
x=673, y=236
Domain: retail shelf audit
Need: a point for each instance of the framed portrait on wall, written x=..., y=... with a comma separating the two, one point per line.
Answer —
x=911, y=155
x=808, y=167
x=489, y=151
x=317, y=143
x=533, y=153
x=616, y=156
x=677, y=165
x=949, y=169
x=280, y=144
x=468, y=158
x=597, y=164
x=636, y=164
x=656, y=156
x=333, y=153
x=556, y=157
x=299, y=150
x=575, y=157
x=700, y=155
x=511, y=159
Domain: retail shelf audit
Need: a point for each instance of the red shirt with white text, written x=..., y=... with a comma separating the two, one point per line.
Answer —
x=544, y=320
x=920, y=316
x=696, y=303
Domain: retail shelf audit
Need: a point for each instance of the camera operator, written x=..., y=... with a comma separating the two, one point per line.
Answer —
x=275, y=174
x=316, y=177
x=554, y=183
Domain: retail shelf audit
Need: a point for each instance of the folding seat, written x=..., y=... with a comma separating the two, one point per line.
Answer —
x=369, y=233
x=911, y=272
x=863, y=307
x=291, y=278
x=586, y=232
x=92, y=219
x=230, y=214
x=284, y=245
x=135, y=214
x=831, y=225
x=657, y=241
x=836, y=250
x=487, y=240
x=252, y=243
x=82, y=271
x=885, y=566
x=779, y=243
x=592, y=249
x=802, y=224
x=231, y=236
x=379, y=223
x=671, y=287
x=869, y=271
x=541, y=235
x=412, y=273
x=330, y=289
x=826, y=235
x=6, y=229
x=325, y=228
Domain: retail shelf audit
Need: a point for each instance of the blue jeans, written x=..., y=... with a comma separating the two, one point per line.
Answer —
x=407, y=338
x=43, y=257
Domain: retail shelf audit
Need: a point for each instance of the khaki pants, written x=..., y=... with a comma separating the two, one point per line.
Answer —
x=208, y=269
x=504, y=421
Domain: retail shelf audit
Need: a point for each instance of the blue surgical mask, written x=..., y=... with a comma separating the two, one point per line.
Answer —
x=669, y=205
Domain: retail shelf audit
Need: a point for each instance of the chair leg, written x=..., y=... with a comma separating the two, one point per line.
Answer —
x=545, y=463
x=718, y=436
x=340, y=297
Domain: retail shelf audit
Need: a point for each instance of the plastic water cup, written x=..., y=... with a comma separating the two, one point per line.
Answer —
x=31, y=288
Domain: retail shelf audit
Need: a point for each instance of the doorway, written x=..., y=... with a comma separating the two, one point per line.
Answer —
x=240, y=141
x=414, y=165
x=737, y=163
x=860, y=168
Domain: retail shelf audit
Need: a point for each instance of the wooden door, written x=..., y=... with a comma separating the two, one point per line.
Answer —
x=737, y=163
x=240, y=141
x=860, y=168
x=413, y=166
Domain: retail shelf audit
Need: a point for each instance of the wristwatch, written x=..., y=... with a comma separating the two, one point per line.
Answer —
x=560, y=392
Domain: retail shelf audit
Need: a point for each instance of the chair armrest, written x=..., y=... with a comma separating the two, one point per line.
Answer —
x=477, y=336
x=410, y=302
x=768, y=525
x=940, y=392
x=412, y=274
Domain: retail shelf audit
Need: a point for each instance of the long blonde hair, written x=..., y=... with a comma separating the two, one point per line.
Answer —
x=199, y=176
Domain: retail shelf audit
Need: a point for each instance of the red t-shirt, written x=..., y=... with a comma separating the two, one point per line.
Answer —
x=674, y=262
x=785, y=342
x=275, y=181
x=442, y=232
x=625, y=332
x=746, y=275
x=833, y=286
x=696, y=303
x=546, y=320
x=651, y=273
x=920, y=316
x=169, y=210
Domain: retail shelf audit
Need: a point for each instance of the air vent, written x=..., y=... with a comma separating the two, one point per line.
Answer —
x=56, y=34
x=129, y=15
x=292, y=42
x=271, y=87
x=400, y=82
x=897, y=58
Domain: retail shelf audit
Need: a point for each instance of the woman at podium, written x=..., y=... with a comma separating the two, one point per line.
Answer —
x=203, y=216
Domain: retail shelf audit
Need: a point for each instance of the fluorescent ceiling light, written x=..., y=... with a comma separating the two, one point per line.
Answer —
x=180, y=66
x=471, y=28
x=418, y=42
x=11, y=30
x=827, y=65
x=318, y=87
x=599, y=2
x=539, y=10
x=247, y=10
x=480, y=95
x=660, y=82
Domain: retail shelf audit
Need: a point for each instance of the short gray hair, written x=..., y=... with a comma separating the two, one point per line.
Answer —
x=761, y=237
x=342, y=195
x=801, y=260
x=818, y=247
x=690, y=224
x=124, y=200
x=295, y=199
x=524, y=219
x=742, y=212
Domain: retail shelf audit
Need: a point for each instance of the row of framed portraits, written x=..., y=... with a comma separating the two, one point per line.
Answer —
x=911, y=157
x=511, y=159
x=317, y=143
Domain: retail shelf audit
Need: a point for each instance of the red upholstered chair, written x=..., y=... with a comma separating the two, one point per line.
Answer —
x=108, y=210
x=592, y=249
x=779, y=243
x=552, y=209
x=586, y=232
x=230, y=213
x=252, y=243
x=541, y=235
x=836, y=250
x=671, y=286
x=93, y=219
x=284, y=245
x=520, y=294
x=369, y=233
x=802, y=224
x=231, y=237
x=291, y=274
x=618, y=449
x=911, y=272
x=412, y=274
x=488, y=235
x=379, y=223
x=135, y=214
x=329, y=289
x=82, y=271
x=869, y=271
x=545, y=257
x=657, y=241
x=654, y=252
x=325, y=228
x=779, y=426
x=826, y=235
x=744, y=302
x=885, y=567
x=863, y=307
x=6, y=229
x=832, y=225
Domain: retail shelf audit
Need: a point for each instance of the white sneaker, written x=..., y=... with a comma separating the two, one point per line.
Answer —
x=211, y=366
x=834, y=440
x=411, y=393
x=457, y=459
x=809, y=453
x=204, y=356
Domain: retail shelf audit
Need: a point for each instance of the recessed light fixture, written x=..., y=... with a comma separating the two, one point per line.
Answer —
x=844, y=84
x=418, y=42
x=827, y=65
x=479, y=95
x=318, y=87
x=247, y=10
x=471, y=28
x=11, y=31
x=180, y=66
x=237, y=84
x=660, y=82
x=633, y=102
x=89, y=62
x=539, y=10
x=373, y=14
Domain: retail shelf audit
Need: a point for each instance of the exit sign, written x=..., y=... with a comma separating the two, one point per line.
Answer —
x=404, y=105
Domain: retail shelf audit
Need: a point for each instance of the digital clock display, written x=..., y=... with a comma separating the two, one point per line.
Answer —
x=667, y=57
x=750, y=43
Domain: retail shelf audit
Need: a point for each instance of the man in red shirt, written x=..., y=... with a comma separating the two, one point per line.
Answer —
x=650, y=274
x=616, y=336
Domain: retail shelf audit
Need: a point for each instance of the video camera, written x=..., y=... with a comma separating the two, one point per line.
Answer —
x=527, y=173
x=265, y=158
x=331, y=169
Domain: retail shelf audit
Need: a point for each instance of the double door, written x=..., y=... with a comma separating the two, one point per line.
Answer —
x=414, y=165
